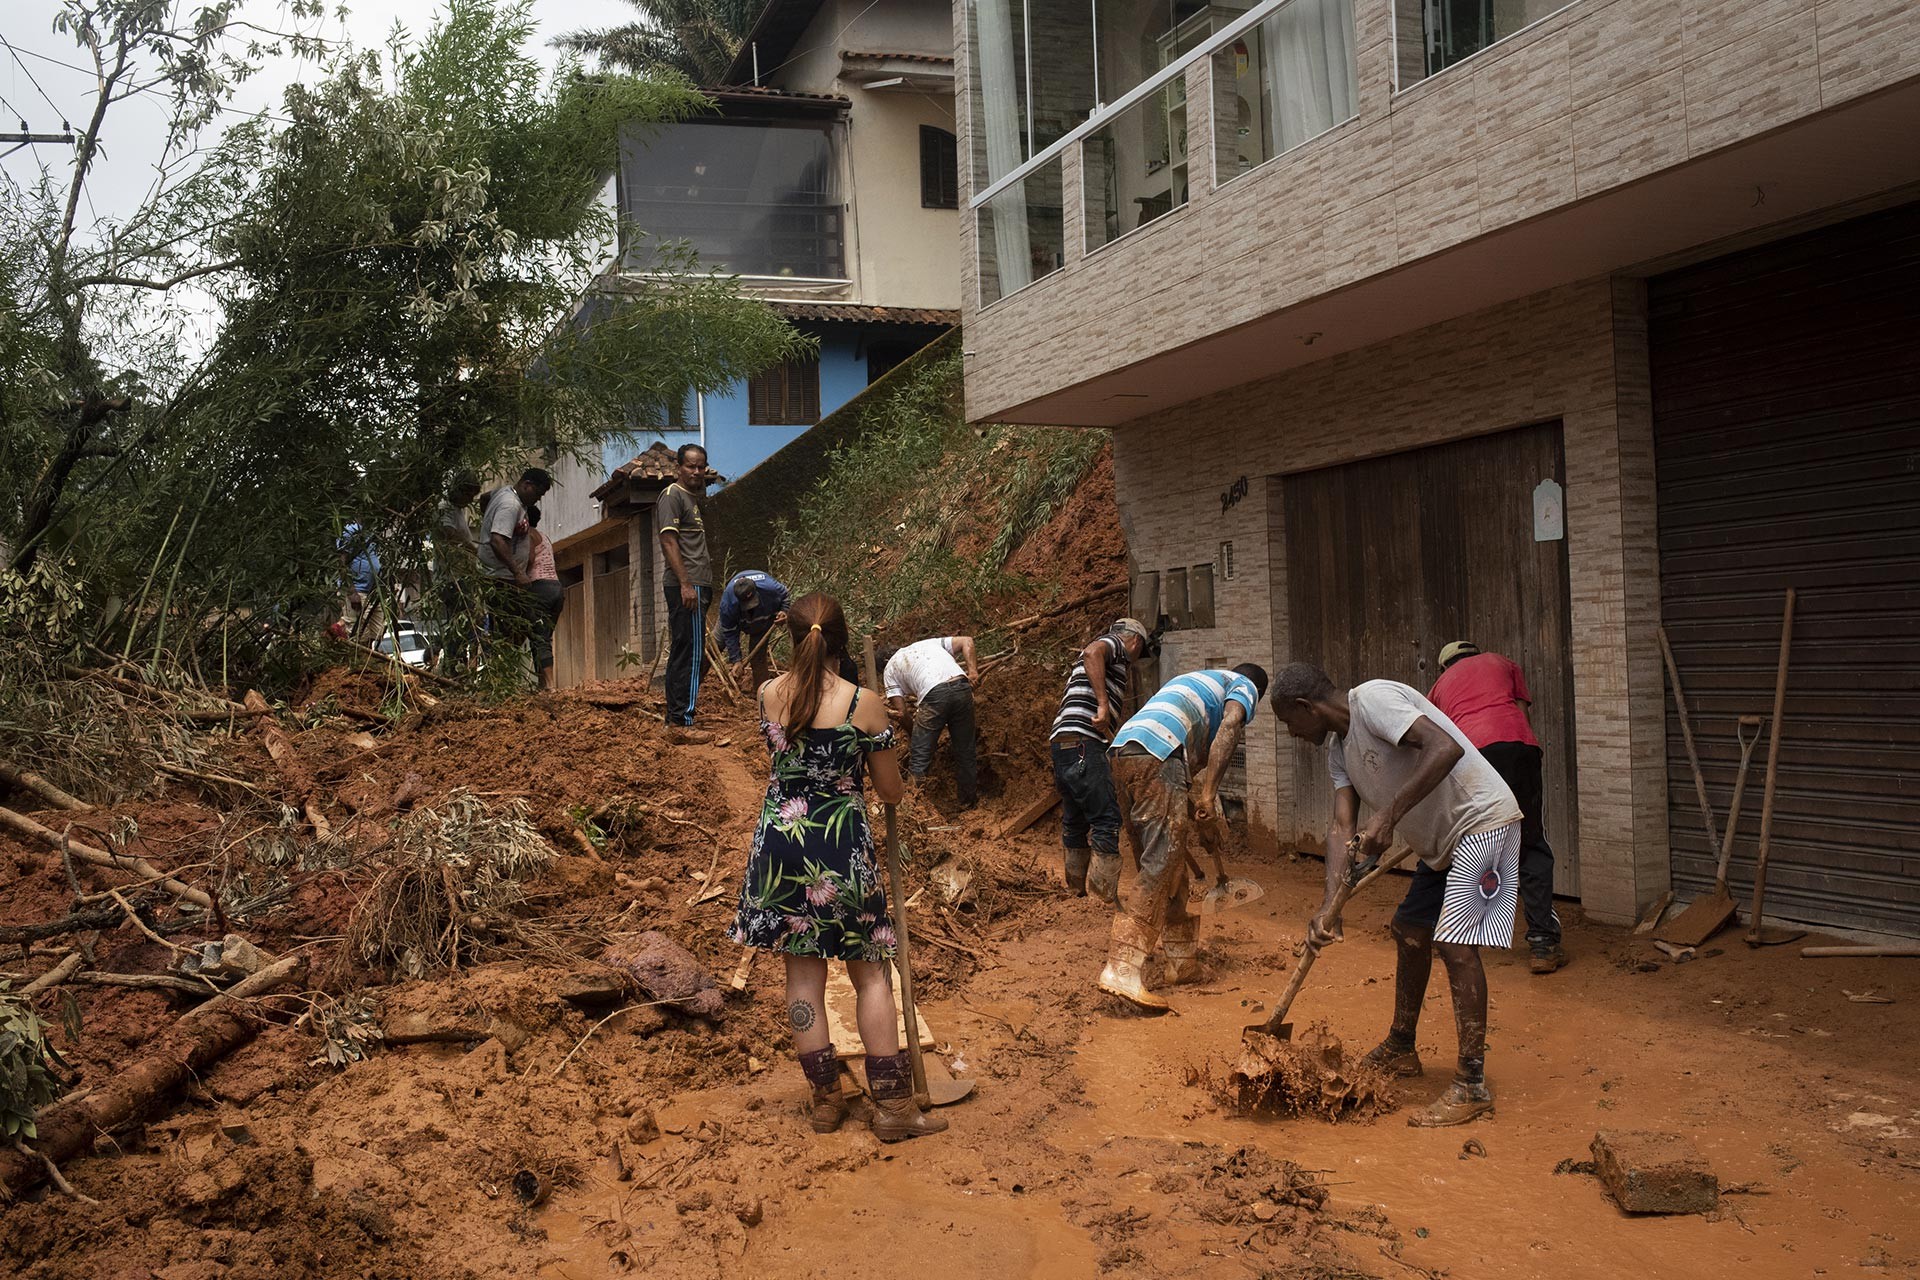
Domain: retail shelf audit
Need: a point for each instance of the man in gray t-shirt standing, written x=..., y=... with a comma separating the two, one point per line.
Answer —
x=1425, y=783
x=504, y=552
x=689, y=581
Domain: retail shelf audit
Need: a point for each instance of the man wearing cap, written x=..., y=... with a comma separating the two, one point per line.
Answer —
x=1167, y=762
x=1485, y=694
x=752, y=604
x=1089, y=713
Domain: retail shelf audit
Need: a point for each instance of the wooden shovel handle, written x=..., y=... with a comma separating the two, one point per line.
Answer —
x=1341, y=895
x=1686, y=736
x=903, y=961
x=1773, y=761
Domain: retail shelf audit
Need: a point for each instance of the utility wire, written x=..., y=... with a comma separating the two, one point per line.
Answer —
x=35, y=80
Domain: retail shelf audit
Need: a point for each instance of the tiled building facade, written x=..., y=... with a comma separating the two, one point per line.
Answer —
x=1469, y=253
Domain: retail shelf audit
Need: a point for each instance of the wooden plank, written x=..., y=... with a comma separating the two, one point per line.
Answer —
x=844, y=1029
x=1039, y=809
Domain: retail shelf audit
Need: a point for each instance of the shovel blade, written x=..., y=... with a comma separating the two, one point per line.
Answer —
x=944, y=1093
x=1282, y=1032
x=1703, y=918
x=1228, y=894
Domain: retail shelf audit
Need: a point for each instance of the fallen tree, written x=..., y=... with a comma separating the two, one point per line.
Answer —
x=201, y=1037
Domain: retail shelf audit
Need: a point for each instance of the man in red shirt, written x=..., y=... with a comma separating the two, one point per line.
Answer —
x=1485, y=694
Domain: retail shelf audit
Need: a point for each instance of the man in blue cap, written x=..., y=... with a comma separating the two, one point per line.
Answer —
x=752, y=604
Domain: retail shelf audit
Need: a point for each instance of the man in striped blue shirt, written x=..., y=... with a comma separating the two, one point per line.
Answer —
x=1193, y=723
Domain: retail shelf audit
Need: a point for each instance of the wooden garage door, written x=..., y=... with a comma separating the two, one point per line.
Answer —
x=1786, y=385
x=1389, y=559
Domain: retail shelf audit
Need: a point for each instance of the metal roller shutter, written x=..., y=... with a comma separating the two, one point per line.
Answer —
x=1786, y=403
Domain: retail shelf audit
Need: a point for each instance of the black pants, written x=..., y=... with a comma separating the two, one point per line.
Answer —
x=1518, y=763
x=686, y=652
x=947, y=706
x=1089, y=811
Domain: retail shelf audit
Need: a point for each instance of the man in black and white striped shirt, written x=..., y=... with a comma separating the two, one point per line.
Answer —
x=1089, y=715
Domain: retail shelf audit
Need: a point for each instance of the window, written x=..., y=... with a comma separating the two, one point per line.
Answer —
x=1022, y=234
x=787, y=395
x=1435, y=34
x=939, y=169
x=754, y=198
x=1134, y=170
x=1291, y=78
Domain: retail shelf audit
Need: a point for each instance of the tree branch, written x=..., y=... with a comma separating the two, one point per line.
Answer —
x=137, y=282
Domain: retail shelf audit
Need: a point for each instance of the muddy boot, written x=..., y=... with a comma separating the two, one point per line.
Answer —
x=828, y=1107
x=1077, y=863
x=1547, y=957
x=896, y=1115
x=1122, y=977
x=1395, y=1057
x=1103, y=877
x=1463, y=1100
x=1180, y=943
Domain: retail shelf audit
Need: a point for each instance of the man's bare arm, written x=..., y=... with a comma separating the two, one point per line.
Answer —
x=670, y=548
x=1095, y=658
x=1219, y=755
x=1346, y=813
x=1438, y=754
x=962, y=648
x=503, y=548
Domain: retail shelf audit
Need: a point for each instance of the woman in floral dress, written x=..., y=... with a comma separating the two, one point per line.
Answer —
x=814, y=888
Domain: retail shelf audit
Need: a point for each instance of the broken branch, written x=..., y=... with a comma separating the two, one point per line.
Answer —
x=27, y=780
x=20, y=824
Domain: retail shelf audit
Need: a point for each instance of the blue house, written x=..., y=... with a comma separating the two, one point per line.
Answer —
x=801, y=185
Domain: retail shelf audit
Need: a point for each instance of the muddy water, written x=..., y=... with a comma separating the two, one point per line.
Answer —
x=1786, y=1087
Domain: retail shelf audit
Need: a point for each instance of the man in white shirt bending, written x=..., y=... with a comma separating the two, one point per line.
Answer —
x=928, y=673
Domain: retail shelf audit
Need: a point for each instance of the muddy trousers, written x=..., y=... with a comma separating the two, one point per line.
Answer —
x=686, y=652
x=1152, y=798
x=947, y=706
x=1089, y=814
x=1518, y=764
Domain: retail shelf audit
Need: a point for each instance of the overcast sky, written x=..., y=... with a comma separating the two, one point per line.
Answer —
x=34, y=86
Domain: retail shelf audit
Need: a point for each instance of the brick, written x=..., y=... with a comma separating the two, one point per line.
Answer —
x=1652, y=1172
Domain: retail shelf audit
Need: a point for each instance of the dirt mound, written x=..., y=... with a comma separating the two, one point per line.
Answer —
x=666, y=971
x=1310, y=1075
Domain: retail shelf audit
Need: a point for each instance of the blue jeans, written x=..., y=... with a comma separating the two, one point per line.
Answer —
x=1089, y=813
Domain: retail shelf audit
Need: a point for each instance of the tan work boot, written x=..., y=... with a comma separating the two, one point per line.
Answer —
x=1126, y=955
x=828, y=1106
x=1393, y=1060
x=1460, y=1103
x=896, y=1113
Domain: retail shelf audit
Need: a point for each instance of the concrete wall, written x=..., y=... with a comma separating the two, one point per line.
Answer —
x=900, y=255
x=1604, y=93
x=1576, y=354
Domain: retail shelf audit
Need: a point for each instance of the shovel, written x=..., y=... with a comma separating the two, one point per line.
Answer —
x=945, y=1091
x=1707, y=915
x=1759, y=935
x=1227, y=891
x=1357, y=878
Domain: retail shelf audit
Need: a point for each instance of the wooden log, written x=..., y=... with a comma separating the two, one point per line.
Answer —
x=218, y=716
x=1903, y=952
x=1076, y=603
x=1039, y=809
x=106, y=917
x=181, y=771
x=27, y=780
x=54, y=976
x=20, y=824
x=200, y=1038
x=298, y=779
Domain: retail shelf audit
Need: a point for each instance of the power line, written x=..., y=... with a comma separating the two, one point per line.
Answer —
x=33, y=79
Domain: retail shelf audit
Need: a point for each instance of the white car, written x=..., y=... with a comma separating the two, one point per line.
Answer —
x=414, y=650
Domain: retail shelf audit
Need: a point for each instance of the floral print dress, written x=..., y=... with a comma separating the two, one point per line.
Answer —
x=813, y=887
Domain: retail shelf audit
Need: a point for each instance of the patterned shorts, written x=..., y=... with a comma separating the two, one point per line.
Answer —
x=1473, y=902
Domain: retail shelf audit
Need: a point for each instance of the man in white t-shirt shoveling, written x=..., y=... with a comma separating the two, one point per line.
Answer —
x=1423, y=781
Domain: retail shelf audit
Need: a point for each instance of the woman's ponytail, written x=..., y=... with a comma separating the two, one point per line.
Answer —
x=819, y=632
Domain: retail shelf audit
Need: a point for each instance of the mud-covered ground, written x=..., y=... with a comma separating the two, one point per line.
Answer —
x=539, y=1136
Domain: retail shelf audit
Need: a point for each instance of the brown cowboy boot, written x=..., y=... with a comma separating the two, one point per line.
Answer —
x=829, y=1106
x=896, y=1113
x=1126, y=954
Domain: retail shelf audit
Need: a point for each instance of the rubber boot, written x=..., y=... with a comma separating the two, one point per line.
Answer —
x=1126, y=954
x=1103, y=877
x=1078, y=860
x=1180, y=942
x=896, y=1114
x=828, y=1107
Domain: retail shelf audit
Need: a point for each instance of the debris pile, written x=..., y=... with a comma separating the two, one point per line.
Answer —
x=1310, y=1075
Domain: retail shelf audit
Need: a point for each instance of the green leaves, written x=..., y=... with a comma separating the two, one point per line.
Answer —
x=26, y=1082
